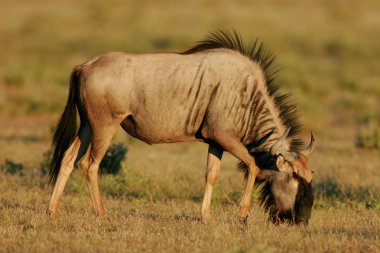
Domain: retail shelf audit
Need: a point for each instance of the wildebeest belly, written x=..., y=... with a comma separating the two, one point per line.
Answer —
x=158, y=128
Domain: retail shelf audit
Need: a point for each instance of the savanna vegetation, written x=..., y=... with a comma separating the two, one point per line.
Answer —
x=329, y=53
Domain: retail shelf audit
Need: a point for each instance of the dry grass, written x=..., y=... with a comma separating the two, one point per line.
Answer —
x=157, y=208
x=329, y=51
x=174, y=226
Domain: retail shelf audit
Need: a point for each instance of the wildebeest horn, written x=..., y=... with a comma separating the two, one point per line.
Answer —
x=278, y=146
x=311, y=146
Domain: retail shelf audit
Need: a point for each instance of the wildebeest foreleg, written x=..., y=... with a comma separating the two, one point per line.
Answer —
x=214, y=156
x=237, y=149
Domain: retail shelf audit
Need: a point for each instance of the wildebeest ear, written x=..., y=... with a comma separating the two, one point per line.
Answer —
x=280, y=161
x=282, y=165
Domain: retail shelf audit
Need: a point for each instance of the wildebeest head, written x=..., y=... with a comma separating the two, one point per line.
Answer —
x=286, y=179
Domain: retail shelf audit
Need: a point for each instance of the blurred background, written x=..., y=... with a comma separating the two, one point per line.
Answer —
x=328, y=51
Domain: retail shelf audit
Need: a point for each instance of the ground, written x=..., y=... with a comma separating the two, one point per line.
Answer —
x=329, y=55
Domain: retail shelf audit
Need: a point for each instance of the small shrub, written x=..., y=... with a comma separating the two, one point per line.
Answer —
x=115, y=186
x=76, y=184
x=335, y=48
x=131, y=184
x=12, y=168
x=111, y=163
x=13, y=79
x=369, y=136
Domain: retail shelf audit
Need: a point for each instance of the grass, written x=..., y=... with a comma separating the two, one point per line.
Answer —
x=157, y=208
x=172, y=226
x=329, y=53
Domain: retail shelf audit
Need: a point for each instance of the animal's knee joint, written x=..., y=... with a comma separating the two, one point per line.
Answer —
x=253, y=170
x=93, y=169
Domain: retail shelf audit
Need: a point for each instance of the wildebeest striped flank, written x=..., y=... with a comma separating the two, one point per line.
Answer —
x=221, y=92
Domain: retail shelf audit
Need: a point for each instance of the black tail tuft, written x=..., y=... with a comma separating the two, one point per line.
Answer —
x=67, y=127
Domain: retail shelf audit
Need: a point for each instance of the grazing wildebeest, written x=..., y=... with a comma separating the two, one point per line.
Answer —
x=220, y=92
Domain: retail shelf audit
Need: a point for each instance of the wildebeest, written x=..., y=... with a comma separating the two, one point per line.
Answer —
x=221, y=92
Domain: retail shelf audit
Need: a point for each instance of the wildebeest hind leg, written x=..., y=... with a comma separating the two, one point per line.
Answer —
x=214, y=156
x=101, y=138
x=67, y=166
x=237, y=149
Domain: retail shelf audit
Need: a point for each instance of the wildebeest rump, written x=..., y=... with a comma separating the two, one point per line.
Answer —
x=220, y=92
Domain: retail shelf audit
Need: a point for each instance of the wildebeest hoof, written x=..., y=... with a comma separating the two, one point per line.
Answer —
x=243, y=214
x=104, y=218
x=50, y=213
x=243, y=219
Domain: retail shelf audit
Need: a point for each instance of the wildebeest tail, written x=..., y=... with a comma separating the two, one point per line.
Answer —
x=67, y=127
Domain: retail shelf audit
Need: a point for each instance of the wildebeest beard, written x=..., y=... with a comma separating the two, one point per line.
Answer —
x=283, y=202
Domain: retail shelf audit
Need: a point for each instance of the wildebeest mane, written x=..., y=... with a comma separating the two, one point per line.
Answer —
x=256, y=52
